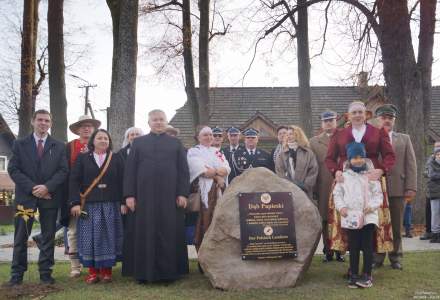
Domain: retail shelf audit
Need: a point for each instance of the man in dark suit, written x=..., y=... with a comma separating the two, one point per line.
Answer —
x=234, y=145
x=38, y=167
x=250, y=156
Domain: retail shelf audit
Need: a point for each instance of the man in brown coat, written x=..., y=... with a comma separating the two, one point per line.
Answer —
x=402, y=182
x=319, y=145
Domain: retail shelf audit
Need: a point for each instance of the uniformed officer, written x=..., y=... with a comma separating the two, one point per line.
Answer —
x=401, y=179
x=217, y=133
x=234, y=145
x=250, y=156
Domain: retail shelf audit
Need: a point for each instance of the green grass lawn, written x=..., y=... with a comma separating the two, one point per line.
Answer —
x=6, y=229
x=419, y=280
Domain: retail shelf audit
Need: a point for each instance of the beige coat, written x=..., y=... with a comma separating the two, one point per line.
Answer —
x=403, y=175
x=306, y=169
x=319, y=146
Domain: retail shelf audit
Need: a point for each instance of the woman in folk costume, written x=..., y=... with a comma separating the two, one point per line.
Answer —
x=296, y=161
x=97, y=178
x=377, y=144
x=209, y=170
x=357, y=199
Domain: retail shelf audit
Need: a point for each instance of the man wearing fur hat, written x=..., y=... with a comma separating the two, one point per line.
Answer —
x=84, y=128
x=402, y=181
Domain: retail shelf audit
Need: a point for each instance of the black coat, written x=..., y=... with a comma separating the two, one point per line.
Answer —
x=85, y=170
x=124, y=152
x=27, y=171
x=228, y=155
x=154, y=241
x=244, y=160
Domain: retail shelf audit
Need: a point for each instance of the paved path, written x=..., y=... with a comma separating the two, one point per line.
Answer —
x=413, y=244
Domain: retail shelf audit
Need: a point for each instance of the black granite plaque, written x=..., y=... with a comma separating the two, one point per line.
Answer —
x=267, y=227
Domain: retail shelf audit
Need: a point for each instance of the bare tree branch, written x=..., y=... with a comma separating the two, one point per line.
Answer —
x=324, y=35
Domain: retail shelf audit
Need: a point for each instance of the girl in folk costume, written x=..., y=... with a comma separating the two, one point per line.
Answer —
x=357, y=199
x=95, y=194
x=377, y=145
x=209, y=171
x=296, y=161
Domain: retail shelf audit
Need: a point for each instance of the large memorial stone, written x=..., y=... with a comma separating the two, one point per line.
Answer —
x=220, y=252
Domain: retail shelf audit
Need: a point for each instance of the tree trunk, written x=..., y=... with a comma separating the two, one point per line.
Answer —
x=204, y=62
x=35, y=89
x=27, y=69
x=403, y=82
x=302, y=38
x=57, y=84
x=425, y=59
x=122, y=105
x=190, y=87
x=115, y=11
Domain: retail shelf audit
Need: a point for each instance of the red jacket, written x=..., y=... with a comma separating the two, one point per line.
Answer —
x=376, y=141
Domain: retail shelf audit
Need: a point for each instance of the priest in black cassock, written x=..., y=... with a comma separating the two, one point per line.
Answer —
x=156, y=187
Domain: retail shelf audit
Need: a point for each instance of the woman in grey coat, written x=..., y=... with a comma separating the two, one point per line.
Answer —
x=296, y=161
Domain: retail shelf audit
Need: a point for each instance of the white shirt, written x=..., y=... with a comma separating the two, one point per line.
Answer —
x=358, y=134
x=231, y=148
x=251, y=151
x=37, y=138
x=99, y=158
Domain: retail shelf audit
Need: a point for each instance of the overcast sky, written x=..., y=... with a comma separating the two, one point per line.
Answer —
x=89, y=26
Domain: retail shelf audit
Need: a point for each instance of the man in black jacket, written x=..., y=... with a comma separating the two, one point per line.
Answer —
x=38, y=167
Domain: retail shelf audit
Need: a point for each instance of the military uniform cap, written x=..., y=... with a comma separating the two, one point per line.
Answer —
x=233, y=130
x=250, y=132
x=386, y=109
x=328, y=115
x=217, y=130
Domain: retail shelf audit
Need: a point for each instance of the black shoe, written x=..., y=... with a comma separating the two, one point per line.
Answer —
x=47, y=279
x=365, y=281
x=426, y=236
x=408, y=234
x=435, y=238
x=396, y=266
x=327, y=258
x=14, y=281
x=37, y=239
x=377, y=265
x=352, y=282
x=339, y=257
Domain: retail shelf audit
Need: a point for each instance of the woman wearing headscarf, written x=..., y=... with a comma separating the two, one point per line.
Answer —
x=130, y=134
x=209, y=171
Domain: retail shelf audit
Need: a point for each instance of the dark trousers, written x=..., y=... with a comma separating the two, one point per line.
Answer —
x=361, y=239
x=48, y=218
x=428, y=215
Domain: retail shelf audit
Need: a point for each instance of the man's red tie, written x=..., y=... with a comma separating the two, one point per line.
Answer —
x=40, y=148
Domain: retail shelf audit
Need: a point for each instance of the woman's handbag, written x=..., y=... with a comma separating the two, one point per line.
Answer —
x=194, y=200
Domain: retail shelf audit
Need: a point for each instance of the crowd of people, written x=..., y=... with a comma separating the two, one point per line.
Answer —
x=138, y=205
